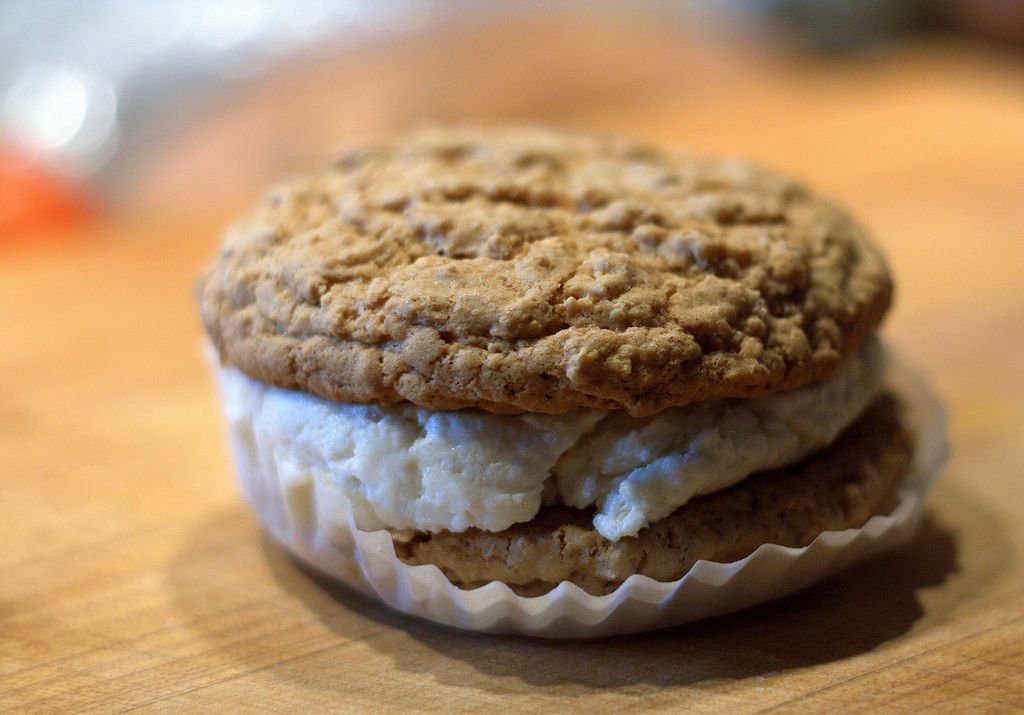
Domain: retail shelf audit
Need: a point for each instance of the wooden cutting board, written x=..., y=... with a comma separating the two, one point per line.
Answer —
x=132, y=575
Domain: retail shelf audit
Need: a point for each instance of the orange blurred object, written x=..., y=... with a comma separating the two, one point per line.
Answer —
x=35, y=199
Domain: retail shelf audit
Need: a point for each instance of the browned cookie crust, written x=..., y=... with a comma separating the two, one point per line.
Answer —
x=530, y=270
x=839, y=488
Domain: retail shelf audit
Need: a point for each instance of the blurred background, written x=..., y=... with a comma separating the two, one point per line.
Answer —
x=119, y=106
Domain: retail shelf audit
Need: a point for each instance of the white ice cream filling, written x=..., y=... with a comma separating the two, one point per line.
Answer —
x=407, y=467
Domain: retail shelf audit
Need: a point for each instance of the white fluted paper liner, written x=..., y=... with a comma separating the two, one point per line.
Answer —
x=315, y=523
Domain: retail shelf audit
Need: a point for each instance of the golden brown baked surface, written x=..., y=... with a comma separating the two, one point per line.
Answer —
x=841, y=487
x=530, y=270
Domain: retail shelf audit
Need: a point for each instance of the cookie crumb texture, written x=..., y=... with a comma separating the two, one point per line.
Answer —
x=532, y=270
x=840, y=488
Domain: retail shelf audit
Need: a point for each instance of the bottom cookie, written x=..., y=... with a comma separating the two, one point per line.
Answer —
x=840, y=487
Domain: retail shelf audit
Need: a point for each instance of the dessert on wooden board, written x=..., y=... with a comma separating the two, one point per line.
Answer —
x=543, y=367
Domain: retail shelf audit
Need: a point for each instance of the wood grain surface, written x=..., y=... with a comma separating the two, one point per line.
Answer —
x=133, y=576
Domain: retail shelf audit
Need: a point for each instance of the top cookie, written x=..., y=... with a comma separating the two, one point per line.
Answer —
x=532, y=270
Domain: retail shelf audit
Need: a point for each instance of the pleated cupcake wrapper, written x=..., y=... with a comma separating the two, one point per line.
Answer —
x=315, y=522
